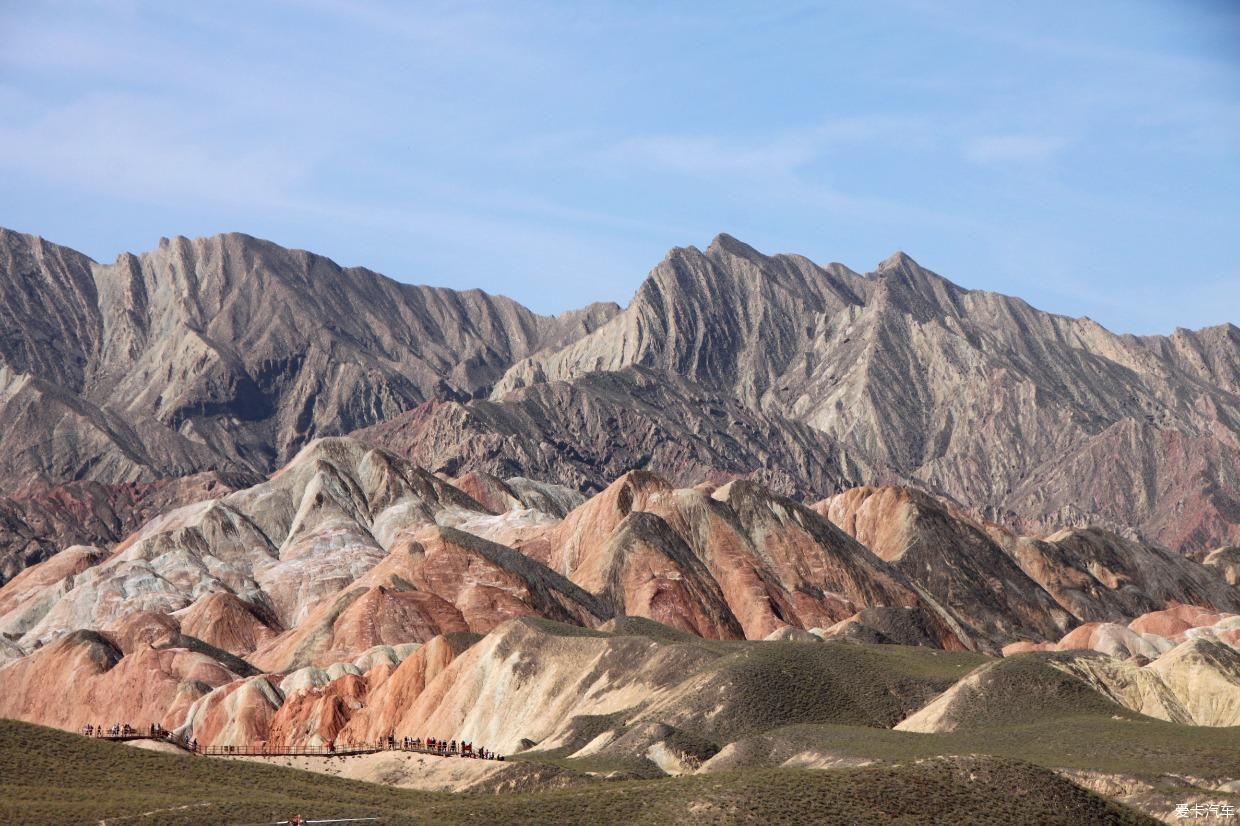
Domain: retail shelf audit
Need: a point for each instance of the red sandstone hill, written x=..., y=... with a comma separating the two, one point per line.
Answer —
x=346, y=594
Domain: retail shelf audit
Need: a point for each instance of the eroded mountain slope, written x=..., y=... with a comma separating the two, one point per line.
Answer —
x=1019, y=413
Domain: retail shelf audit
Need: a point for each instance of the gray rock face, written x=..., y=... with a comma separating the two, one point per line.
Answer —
x=1227, y=562
x=1026, y=416
x=227, y=353
x=590, y=430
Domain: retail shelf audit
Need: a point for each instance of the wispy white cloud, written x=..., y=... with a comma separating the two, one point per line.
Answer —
x=1168, y=98
x=780, y=169
x=710, y=156
x=769, y=155
x=149, y=151
x=997, y=150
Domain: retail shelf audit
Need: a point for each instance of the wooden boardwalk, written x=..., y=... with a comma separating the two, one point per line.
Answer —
x=307, y=751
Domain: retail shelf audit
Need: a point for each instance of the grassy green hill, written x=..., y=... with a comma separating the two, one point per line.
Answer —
x=773, y=702
x=749, y=708
x=51, y=777
x=1141, y=747
x=1025, y=709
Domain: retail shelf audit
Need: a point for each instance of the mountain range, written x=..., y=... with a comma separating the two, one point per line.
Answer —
x=1023, y=415
x=770, y=516
x=226, y=355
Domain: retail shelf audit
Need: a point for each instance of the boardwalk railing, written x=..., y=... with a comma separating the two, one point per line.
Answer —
x=337, y=751
x=287, y=751
x=160, y=737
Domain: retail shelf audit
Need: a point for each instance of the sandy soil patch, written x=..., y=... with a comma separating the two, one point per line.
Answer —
x=411, y=771
x=156, y=745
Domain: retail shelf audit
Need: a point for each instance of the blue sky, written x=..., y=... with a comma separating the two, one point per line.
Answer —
x=1085, y=156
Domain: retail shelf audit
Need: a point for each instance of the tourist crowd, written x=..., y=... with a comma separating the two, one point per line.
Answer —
x=155, y=732
x=430, y=745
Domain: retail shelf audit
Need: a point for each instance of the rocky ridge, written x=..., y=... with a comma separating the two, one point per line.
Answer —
x=586, y=432
x=227, y=353
x=1033, y=419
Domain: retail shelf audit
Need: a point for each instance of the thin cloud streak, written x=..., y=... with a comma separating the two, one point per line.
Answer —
x=1014, y=149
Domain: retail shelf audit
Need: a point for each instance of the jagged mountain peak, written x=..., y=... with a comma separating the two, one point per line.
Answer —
x=15, y=239
x=725, y=243
x=941, y=293
x=897, y=260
